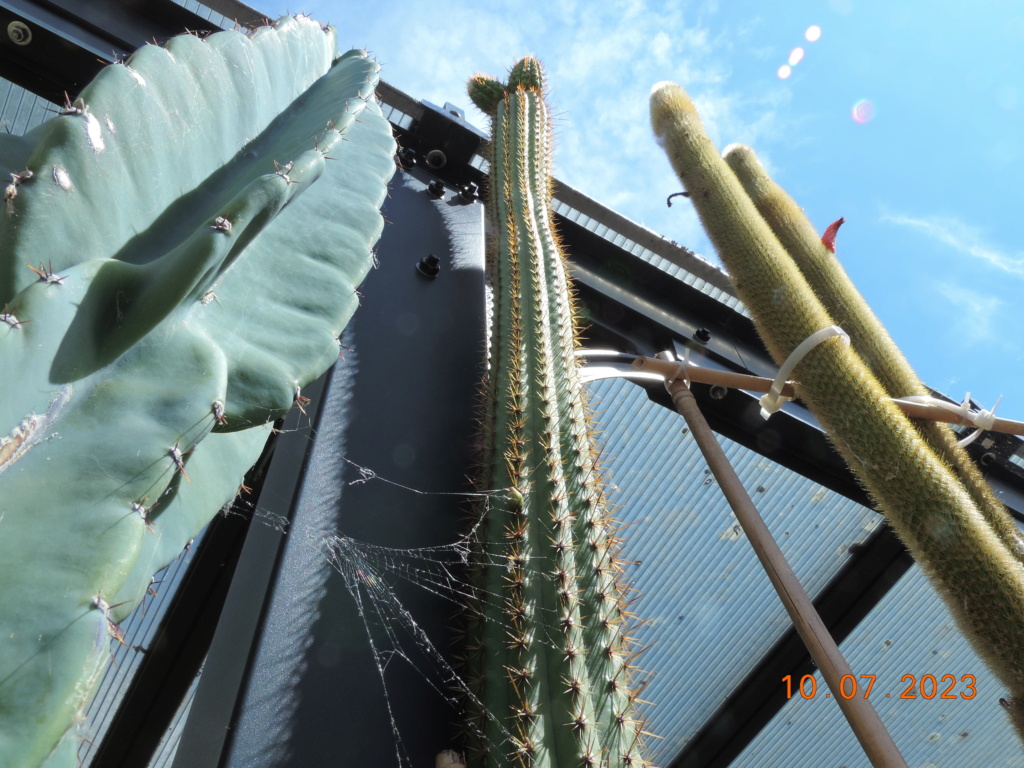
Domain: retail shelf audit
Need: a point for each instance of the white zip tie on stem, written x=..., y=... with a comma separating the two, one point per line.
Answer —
x=773, y=400
x=982, y=419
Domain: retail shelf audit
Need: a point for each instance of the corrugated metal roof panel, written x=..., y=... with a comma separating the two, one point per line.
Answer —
x=214, y=17
x=910, y=633
x=138, y=632
x=21, y=110
x=711, y=612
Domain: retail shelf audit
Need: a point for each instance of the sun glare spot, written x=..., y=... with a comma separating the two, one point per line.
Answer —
x=813, y=33
x=796, y=56
x=863, y=111
x=785, y=71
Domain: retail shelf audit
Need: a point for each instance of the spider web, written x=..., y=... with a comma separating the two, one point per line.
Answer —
x=372, y=573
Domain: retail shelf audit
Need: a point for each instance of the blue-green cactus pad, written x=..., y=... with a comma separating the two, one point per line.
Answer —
x=198, y=222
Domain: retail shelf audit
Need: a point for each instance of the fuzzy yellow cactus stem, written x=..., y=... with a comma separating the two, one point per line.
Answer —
x=971, y=565
x=870, y=339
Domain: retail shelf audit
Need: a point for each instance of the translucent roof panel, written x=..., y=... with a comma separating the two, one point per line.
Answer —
x=711, y=613
x=200, y=9
x=21, y=110
x=907, y=637
x=138, y=633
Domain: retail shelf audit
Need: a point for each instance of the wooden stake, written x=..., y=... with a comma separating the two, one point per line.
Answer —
x=867, y=726
x=748, y=383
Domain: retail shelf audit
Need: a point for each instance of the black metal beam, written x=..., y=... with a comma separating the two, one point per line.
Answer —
x=238, y=12
x=55, y=47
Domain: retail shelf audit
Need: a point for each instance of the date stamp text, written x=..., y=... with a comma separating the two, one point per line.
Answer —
x=912, y=687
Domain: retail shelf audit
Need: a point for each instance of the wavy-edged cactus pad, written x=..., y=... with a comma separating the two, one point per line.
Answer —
x=179, y=253
x=547, y=655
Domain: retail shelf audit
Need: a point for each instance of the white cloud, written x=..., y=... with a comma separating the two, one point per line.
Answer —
x=962, y=238
x=661, y=48
x=973, y=313
x=600, y=81
x=601, y=59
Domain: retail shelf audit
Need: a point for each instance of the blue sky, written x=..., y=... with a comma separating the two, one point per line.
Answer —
x=929, y=186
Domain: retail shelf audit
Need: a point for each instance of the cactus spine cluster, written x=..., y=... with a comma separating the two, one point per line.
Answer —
x=952, y=526
x=547, y=654
x=178, y=255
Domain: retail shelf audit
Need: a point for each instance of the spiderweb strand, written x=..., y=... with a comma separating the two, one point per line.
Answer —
x=369, y=572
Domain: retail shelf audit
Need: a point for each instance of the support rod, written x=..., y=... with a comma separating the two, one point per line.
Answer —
x=671, y=369
x=866, y=724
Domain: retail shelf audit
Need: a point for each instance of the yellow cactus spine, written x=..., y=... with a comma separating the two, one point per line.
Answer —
x=869, y=337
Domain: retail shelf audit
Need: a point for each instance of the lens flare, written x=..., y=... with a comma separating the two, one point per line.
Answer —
x=863, y=111
x=813, y=33
x=796, y=56
x=784, y=71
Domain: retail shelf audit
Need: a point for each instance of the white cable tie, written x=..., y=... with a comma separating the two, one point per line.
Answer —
x=667, y=381
x=682, y=371
x=772, y=401
x=983, y=420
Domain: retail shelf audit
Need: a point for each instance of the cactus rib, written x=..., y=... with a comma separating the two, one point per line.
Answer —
x=551, y=681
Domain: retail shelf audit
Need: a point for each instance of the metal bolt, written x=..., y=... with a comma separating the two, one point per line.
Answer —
x=436, y=188
x=19, y=33
x=429, y=266
x=718, y=392
x=467, y=192
x=407, y=157
x=703, y=335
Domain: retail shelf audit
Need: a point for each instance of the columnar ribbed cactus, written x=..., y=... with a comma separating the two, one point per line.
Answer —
x=547, y=654
x=971, y=560
x=178, y=256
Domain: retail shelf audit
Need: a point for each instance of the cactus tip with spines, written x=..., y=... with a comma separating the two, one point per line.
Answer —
x=669, y=103
x=485, y=92
x=527, y=73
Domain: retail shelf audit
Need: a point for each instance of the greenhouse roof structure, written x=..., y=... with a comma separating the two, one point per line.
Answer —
x=253, y=651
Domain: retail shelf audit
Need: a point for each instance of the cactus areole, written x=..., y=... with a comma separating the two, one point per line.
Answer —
x=547, y=655
x=179, y=253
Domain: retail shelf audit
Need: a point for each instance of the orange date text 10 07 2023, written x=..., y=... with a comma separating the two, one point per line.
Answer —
x=914, y=687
